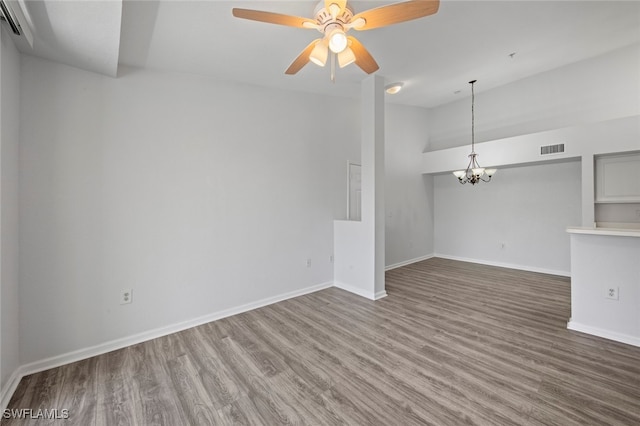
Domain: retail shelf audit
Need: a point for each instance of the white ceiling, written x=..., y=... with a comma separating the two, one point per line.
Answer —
x=83, y=34
x=435, y=56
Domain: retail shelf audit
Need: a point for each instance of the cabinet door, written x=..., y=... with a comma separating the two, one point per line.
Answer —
x=618, y=179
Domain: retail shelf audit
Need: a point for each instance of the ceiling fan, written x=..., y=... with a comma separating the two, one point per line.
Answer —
x=334, y=18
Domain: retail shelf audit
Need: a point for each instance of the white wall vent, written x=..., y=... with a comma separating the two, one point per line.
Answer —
x=6, y=14
x=12, y=13
x=552, y=149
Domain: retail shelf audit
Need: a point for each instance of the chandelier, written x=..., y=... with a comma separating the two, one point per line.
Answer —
x=474, y=173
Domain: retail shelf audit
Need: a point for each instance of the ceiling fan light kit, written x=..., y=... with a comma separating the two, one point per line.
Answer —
x=346, y=57
x=334, y=18
x=337, y=40
x=319, y=53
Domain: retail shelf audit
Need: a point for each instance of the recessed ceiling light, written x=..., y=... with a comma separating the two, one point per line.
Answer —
x=393, y=88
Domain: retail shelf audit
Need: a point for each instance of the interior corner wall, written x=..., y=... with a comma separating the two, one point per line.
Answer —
x=408, y=193
x=517, y=220
x=199, y=195
x=9, y=127
x=518, y=206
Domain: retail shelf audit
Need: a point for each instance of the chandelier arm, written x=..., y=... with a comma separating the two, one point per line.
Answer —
x=469, y=172
x=474, y=161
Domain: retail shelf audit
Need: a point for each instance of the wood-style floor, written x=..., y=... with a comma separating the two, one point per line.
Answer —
x=453, y=343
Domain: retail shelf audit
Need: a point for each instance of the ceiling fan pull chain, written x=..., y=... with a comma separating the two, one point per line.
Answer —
x=333, y=67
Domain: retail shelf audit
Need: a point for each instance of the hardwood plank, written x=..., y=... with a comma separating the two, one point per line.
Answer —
x=453, y=343
x=241, y=411
x=195, y=406
x=352, y=372
x=149, y=387
x=219, y=384
x=115, y=400
x=77, y=391
x=405, y=388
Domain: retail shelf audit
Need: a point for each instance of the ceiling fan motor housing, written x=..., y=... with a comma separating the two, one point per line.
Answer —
x=334, y=29
x=324, y=19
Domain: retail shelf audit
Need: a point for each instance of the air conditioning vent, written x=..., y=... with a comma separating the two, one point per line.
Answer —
x=552, y=149
x=7, y=16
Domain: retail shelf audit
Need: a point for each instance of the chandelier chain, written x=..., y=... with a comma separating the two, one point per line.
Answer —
x=473, y=121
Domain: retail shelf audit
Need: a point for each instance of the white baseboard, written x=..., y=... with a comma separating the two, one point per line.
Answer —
x=10, y=387
x=408, y=262
x=506, y=265
x=380, y=294
x=611, y=335
x=360, y=292
x=58, y=360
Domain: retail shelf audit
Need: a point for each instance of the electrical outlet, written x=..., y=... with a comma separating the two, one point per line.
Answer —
x=612, y=293
x=308, y=263
x=126, y=296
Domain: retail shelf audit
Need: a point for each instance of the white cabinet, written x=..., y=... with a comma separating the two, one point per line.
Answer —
x=618, y=178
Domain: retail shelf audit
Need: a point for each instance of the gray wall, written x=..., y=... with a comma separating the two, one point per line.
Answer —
x=9, y=291
x=525, y=208
x=408, y=194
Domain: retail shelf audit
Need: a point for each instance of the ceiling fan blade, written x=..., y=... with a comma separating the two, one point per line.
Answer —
x=302, y=59
x=396, y=13
x=363, y=58
x=273, y=18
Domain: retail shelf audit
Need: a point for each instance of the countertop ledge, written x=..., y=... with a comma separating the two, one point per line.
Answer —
x=616, y=232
